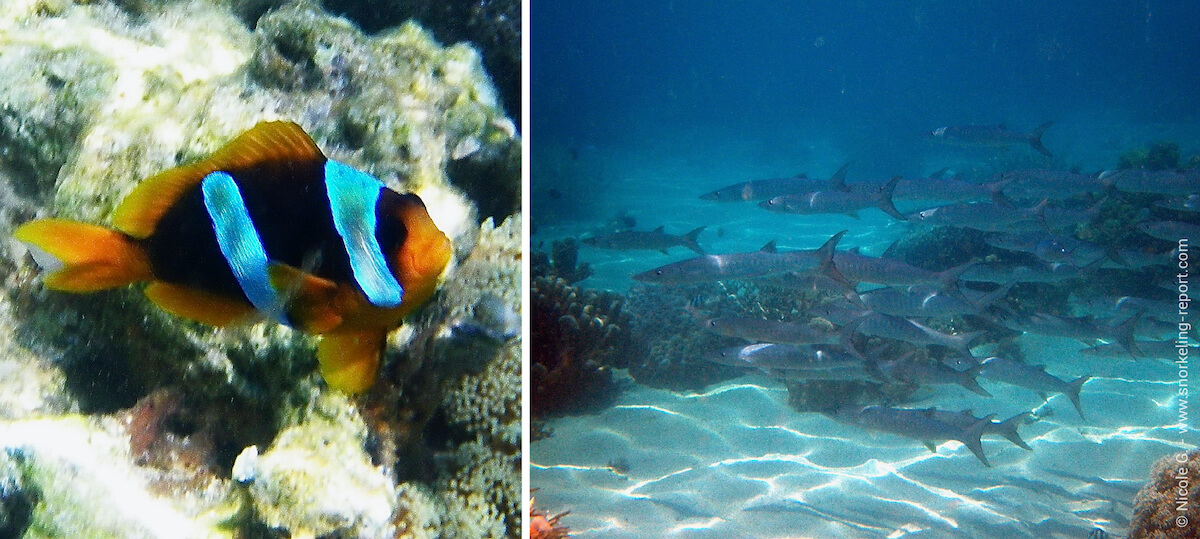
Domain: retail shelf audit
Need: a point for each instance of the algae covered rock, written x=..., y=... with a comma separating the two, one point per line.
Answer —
x=75, y=477
x=316, y=479
x=97, y=96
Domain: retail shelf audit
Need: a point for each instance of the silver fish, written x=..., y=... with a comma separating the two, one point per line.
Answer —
x=1006, y=428
x=932, y=374
x=836, y=199
x=756, y=329
x=857, y=267
x=1165, y=182
x=995, y=136
x=784, y=356
x=766, y=262
x=920, y=425
x=1033, y=377
x=770, y=188
x=1168, y=350
x=1181, y=203
x=1049, y=247
x=654, y=240
x=1171, y=230
x=927, y=301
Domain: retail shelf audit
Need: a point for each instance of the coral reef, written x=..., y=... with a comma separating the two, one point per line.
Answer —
x=1157, y=156
x=562, y=262
x=316, y=478
x=1156, y=506
x=103, y=94
x=577, y=336
x=543, y=526
x=675, y=359
x=104, y=495
x=492, y=25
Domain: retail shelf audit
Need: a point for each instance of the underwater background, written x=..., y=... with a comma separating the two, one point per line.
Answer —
x=119, y=420
x=639, y=108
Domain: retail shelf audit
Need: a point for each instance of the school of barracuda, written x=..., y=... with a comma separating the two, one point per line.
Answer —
x=878, y=324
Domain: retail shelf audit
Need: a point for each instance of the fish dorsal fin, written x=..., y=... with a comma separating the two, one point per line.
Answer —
x=838, y=182
x=139, y=213
x=801, y=176
x=659, y=229
x=940, y=173
x=839, y=177
x=854, y=250
x=769, y=247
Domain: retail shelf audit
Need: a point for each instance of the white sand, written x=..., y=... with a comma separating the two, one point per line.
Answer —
x=736, y=461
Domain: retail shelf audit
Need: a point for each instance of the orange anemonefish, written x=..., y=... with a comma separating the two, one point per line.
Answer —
x=265, y=227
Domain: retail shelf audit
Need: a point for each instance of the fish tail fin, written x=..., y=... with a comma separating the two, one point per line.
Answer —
x=1008, y=429
x=968, y=381
x=992, y=297
x=1123, y=334
x=1035, y=139
x=948, y=279
x=83, y=258
x=825, y=256
x=1073, y=390
x=885, y=199
x=846, y=341
x=971, y=438
x=689, y=240
x=962, y=341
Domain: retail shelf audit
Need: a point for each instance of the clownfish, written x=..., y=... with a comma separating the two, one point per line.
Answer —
x=266, y=227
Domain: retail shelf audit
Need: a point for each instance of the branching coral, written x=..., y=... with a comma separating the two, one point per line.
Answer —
x=576, y=335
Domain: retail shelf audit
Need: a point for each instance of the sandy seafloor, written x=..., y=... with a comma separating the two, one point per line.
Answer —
x=735, y=461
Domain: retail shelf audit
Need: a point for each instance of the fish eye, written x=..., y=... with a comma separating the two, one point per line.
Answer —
x=658, y=272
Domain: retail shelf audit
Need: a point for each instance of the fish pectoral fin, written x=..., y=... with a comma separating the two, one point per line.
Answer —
x=201, y=306
x=349, y=361
x=929, y=444
x=310, y=301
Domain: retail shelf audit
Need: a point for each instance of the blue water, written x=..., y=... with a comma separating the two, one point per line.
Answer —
x=640, y=107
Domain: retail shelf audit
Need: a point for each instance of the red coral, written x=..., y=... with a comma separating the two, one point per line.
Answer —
x=577, y=334
x=542, y=526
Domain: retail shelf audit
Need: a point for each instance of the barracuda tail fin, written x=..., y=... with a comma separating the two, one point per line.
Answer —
x=1008, y=429
x=1123, y=334
x=970, y=438
x=885, y=199
x=79, y=257
x=1073, y=390
x=1035, y=139
x=825, y=258
x=689, y=240
x=967, y=380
